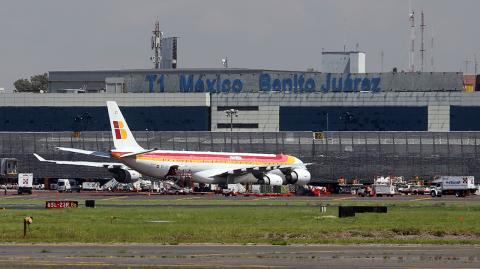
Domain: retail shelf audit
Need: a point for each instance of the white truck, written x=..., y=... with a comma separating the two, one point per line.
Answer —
x=382, y=186
x=458, y=185
x=25, y=183
x=64, y=185
x=383, y=190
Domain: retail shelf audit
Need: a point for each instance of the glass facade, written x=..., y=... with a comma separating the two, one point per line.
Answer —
x=340, y=118
x=464, y=118
x=52, y=119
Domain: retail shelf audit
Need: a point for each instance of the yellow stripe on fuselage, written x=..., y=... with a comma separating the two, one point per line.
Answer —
x=290, y=160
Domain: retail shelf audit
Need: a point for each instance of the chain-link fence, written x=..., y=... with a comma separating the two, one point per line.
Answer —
x=334, y=154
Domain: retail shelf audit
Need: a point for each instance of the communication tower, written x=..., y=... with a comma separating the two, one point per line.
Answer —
x=156, y=41
x=411, y=58
x=422, y=48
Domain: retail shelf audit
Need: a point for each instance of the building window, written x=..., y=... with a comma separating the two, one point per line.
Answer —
x=238, y=125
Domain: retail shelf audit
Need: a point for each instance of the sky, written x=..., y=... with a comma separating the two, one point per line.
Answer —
x=51, y=35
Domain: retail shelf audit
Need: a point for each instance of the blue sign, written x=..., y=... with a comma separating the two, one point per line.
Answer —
x=297, y=83
x=188, y=83
x=155, y=79
x=350, y=84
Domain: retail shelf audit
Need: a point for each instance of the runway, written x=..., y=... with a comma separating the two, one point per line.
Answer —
x=144, y=199
x=237, y=256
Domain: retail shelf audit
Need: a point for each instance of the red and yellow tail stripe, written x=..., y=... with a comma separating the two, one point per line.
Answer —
x=120, y=132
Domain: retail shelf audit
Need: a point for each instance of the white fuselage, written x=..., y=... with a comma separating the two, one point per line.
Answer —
x=159, y=163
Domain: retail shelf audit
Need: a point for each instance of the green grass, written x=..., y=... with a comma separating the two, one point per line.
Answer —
x=438, y=224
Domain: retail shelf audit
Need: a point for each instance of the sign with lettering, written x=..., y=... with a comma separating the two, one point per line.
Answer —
x=61, y=204
x=263, y=82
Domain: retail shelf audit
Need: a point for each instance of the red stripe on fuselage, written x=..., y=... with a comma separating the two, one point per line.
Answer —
x=209, y=156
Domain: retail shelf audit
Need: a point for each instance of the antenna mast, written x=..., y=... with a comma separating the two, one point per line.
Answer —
x=381, y=61
x=431, y=53
x=156, y=45
x=422, y=49
x=412, y=39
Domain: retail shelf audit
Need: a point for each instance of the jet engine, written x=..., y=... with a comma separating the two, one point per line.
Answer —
x=125, y=176
x=298, y=176
x=272, y=179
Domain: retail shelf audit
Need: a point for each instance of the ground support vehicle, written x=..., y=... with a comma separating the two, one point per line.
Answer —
x=459, y=185
x=25, y=183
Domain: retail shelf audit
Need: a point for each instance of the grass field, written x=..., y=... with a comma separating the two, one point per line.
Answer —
x=456, y=223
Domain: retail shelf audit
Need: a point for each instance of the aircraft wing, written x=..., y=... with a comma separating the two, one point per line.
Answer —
x=83, y=163
x=87, y=152
x=220, y=172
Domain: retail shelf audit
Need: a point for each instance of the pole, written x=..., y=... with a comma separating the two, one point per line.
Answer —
x=231, y=113
x=475, y=64
x=327, y=121
x=422, y=49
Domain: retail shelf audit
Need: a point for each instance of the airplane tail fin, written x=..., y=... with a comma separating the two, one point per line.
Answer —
x=121, y=134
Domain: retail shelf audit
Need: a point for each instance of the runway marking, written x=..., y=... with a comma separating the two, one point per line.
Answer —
x=188, y=198
x=344, y=198
x=263, y=198
x=115, y=265
x=112, y=198
x=421, y=199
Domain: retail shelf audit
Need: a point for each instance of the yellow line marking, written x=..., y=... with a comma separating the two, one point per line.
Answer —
x=420, y=199
x=345, y=198
x=116, y=197
x=180, y=265
x=263, y=198
x=188, y=198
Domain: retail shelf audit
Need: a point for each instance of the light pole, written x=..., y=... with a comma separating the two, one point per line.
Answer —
x=148, y=138
x=230, y=113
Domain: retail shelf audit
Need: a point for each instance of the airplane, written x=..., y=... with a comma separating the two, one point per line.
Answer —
x=204, y=166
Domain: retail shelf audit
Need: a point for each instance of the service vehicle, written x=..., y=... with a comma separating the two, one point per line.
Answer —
x=383, y=190
x=459, y=185
x=25, y=183
x=63, y=185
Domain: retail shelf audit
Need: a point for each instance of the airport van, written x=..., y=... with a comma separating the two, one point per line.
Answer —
x=63, y=185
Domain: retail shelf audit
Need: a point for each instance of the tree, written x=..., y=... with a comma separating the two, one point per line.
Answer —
x=40, y=82
x=23, y=85
x=37, y=83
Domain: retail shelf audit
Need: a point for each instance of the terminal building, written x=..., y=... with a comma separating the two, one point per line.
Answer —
x=266, y=100
x=352, y=125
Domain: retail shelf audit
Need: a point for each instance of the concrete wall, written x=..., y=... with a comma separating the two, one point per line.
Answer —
x=438, y=118
x=438, y=104
x=99, y=99
x=266, y=106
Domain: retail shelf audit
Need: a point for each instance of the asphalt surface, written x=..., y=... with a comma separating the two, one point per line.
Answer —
x=227, y=256
x=237, y=256
x=123, y=199
x=12, y=194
